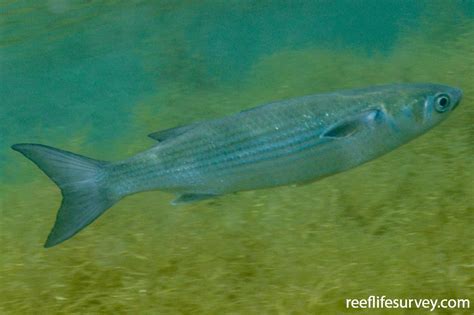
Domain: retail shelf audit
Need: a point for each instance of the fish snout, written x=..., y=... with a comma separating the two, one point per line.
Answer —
x=457, y=97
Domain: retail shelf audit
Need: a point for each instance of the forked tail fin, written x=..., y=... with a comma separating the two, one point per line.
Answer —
x=83, y=185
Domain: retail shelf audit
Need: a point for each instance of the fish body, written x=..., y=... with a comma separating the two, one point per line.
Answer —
x=292, y=141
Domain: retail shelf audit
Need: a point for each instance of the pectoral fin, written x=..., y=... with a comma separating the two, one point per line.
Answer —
x=187, y=198
x=351, y=126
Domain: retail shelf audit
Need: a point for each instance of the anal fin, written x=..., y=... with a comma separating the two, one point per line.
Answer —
x=187, y=198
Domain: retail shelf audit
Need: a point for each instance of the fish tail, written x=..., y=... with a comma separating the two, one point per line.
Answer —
x=83, y=184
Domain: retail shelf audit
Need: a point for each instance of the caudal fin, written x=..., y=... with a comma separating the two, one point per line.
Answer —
x=82, y=183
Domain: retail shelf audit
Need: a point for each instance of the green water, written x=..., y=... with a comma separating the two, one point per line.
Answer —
x=95, y=77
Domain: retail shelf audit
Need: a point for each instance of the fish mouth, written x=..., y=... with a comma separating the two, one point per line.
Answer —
x=457, y=95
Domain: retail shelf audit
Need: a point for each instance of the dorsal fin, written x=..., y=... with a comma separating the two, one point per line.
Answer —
x=163, y=135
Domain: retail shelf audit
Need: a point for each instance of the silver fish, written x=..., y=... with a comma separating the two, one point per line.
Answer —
x=291, y=141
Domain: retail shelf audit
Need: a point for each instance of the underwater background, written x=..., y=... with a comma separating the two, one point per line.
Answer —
x=95, y=77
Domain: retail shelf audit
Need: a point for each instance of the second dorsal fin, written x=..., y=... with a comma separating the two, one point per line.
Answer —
x=163, y=135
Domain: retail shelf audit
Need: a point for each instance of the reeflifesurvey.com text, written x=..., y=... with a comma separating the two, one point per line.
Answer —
x=382, y=302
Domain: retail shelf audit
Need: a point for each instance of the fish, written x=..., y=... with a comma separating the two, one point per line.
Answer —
x=286, y=142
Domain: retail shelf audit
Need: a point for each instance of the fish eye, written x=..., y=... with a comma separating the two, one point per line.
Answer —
x=442, y=102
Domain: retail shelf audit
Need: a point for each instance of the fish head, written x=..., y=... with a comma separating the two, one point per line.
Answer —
x=420, y=107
